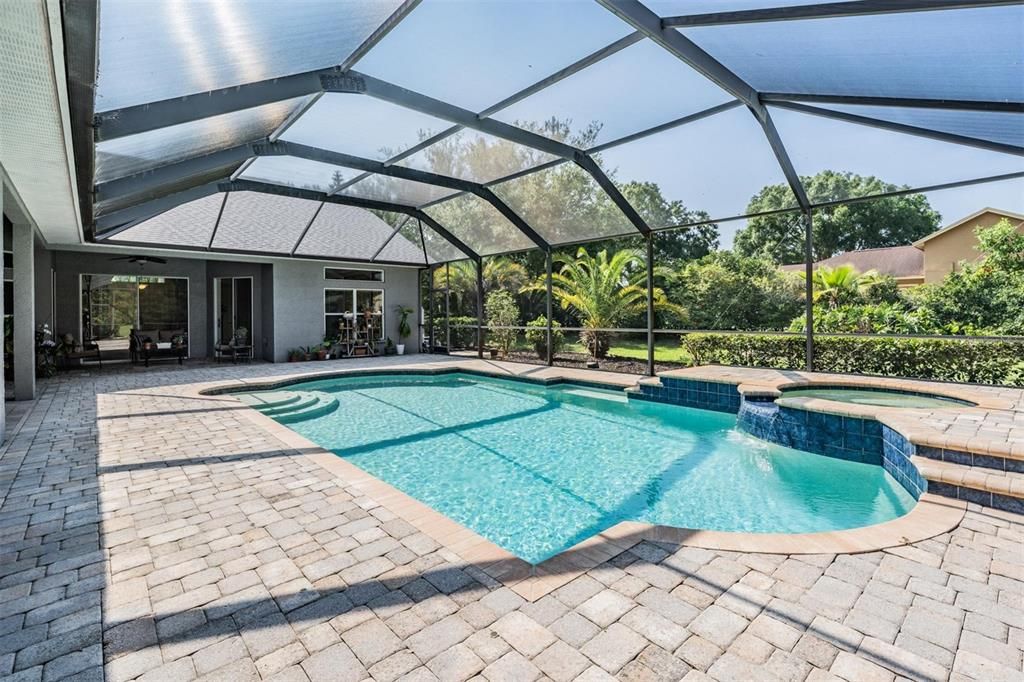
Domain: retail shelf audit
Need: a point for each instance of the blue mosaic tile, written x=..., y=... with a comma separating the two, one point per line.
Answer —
x=957, y=457
x=990, y=462
x=1007, y=503
x=982, y=497
x=1015, y=465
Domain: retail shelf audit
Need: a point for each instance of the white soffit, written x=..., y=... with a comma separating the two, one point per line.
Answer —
x=34, y=127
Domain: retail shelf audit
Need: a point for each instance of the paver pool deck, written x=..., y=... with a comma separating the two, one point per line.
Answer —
x=150, y=531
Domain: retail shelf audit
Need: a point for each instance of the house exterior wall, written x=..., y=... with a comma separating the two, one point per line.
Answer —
x=298, y=305
x=943, y=253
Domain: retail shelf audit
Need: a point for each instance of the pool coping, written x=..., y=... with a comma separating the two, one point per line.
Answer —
x=931, y=516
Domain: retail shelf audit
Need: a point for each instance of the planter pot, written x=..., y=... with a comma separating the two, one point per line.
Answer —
x=321, y=355
x=400, y=349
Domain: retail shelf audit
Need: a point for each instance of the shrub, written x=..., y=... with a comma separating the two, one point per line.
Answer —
x=537, y=336
x=502, y=311
x=463, y=331
x=963, y=360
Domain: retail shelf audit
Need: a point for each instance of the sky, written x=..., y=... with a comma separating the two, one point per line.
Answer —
x=476, y=53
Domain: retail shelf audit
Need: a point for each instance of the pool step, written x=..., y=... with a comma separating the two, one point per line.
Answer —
x=325, y=404
x=289, y=407
x=989, y=487
x=269, y=399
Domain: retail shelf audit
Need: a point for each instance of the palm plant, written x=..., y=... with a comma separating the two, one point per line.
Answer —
x=499, y=274
x=841, y=284
x=602, y=291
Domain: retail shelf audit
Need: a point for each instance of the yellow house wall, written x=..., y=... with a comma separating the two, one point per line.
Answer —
x=943, y=253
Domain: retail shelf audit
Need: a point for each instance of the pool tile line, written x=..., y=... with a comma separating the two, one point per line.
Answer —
x=932, y=515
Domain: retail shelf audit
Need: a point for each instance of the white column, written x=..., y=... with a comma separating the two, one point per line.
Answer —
x=24, y=312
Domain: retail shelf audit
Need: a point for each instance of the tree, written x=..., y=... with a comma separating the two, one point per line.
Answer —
x=602, y=292
x=983, y=297
x=889, y=221
x=502, y=311
x=724, y=290
x=841, y=284
x=499, y=273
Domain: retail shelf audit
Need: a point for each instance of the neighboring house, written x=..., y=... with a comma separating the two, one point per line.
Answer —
x=930, y=258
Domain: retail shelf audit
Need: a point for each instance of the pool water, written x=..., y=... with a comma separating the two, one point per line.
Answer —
x=881, y=398
x=536, y=470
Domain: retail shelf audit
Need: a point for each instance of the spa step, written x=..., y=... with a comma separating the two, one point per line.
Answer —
x=995, y=459
x=998, y=489
x=269, y=399
x=324, y=404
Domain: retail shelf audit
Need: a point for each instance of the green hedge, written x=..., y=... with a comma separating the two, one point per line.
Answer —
x=953, y=359
x=463, y=337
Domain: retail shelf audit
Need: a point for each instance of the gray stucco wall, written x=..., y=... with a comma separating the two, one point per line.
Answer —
x=299, y=303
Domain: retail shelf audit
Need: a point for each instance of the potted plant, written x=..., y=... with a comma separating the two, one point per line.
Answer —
x=295, y=355
x=240, y=337
x=321, y=353
x=389, y=347
x=403, y=326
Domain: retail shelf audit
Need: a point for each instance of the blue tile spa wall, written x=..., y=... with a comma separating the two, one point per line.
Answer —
x=705, y=395
x=833, y=435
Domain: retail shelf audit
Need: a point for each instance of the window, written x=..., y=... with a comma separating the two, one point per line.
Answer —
x=113, y=305
x=354, y=315
x=354, y=274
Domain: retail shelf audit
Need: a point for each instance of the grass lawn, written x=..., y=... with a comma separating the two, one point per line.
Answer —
x=665, y=350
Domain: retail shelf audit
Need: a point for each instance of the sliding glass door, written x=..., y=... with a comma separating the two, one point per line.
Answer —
x=113, y=305
x=233, y=306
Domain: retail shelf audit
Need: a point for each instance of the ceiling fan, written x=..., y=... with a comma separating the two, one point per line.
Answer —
x=142, y=260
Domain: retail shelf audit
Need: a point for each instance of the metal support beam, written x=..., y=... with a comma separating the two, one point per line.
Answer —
x=298, y=242
x=649, y=238
x=548, y=267
x=423, y=243
x=216, y=224
x=909, y=102
x=338, y=159
x=938, y=135
x=826, y=10
x=809, y=290
x=153, y=179
x=513, y=217
x=643, y=19
x=390, y=237
x=314, y=195
x=447, y=308
x=401, y=12
x=480, y=308
x=590, y=166
x=81, y=36
x=118, y=221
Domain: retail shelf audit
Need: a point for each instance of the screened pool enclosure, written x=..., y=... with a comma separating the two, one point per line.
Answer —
x=423, y=133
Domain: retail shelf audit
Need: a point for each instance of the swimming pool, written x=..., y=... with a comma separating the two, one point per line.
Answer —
x=873, y=396
x=537, y=469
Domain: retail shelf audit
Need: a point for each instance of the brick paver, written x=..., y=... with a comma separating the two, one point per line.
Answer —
x=145, y=534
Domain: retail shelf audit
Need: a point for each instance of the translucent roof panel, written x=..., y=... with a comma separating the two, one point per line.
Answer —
x=995, y=126
x=564, y=205
x=817, y=144
x=155, y=51
x=439, y=249
x=137, y=153
x=295, y=172
x=406, y=246
x=479, y=225
x=362, y=126
x=396, y=190
x=344, y=232
x=953, y=204
x=253, y=221
x=716, y=165
x=967, y=54
x=474, y=54
x=651, y=87
x=475, y=156
x=189, y=224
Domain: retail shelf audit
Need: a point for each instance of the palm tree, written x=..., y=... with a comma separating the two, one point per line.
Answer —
x=499, y=274
x=602, y=292
x=841, y=284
